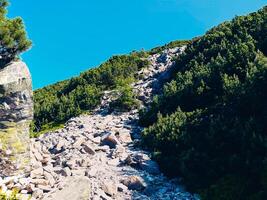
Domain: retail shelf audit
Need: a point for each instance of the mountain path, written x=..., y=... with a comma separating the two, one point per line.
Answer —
x=96, y=156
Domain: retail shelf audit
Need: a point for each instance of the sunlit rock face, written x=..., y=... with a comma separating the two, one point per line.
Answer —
x=16, y=113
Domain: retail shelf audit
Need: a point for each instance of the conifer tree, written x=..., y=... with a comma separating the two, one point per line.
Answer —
x=13, y=37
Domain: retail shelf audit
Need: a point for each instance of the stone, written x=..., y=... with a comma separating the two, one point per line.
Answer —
x=119, y=152
x=79, y=142
x=40, y=182
x=66, y=172
x=134, y=183
x=16, y=113
x=96, y=140
x=45, y=188
x=110, y=140
x=72, y=163
x=122, y=188
x=142, y=161
x=91, y=173
x=88, y=149
x=37, y=194
x=38, y=156
x=114, y=162
x=75, y=188
x=124, y=137
x=23, y=192
x=102, y=196
x=110, y=188
x=104, y=148
x=78, y=172
x=24, y=181
x=36, y=173
x=50, y=178
x=60, y=145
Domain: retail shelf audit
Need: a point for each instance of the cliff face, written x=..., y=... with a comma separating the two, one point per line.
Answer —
x=16, y=112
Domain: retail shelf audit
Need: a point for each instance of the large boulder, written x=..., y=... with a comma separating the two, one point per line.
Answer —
x=74, y=188
x=16, y=113
x=134, y=183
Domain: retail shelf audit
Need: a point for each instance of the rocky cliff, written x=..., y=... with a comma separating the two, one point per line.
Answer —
x=16, y=112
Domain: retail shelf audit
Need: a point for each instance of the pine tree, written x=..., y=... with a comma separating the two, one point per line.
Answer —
x=13, y=37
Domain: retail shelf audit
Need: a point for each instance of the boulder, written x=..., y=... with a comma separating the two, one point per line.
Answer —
x=110, y=140
x=142, y=161
x=110, y=188
x=16, y=113
x=134, y=183
x=124, y=136
x=74, y=188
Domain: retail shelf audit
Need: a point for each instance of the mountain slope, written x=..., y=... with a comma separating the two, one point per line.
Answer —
x=57, y=103
x=97, y=156
x=208, y=126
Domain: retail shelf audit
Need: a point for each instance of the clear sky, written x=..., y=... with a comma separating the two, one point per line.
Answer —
x=70, y=36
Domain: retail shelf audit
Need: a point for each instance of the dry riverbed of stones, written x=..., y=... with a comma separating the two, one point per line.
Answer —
x=97, y=156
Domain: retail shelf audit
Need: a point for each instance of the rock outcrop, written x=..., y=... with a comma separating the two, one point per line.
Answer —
x=16, y=112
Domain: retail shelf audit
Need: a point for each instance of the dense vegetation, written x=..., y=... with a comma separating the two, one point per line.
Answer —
x=13, y=38
x=126, y=101
x=57, y=103
x=209, y=125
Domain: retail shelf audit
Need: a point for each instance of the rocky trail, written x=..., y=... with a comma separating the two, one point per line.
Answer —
x=96, y=156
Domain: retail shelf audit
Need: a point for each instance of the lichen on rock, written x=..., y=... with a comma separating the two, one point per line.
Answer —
x=16, y=112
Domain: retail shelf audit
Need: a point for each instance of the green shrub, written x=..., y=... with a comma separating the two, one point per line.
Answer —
x=211, y=128
x=126, y=100
x=12, y=36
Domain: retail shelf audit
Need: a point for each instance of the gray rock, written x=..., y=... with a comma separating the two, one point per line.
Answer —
x=110, y=188
x=110, y=140
x=37, y=173
x=124, y=137
x=37, y=194
x=66, y=172
x=134, y=183
x=75, y=188
x=121, y=187
x=16, y=112
x=50, y=178
x=88, y=149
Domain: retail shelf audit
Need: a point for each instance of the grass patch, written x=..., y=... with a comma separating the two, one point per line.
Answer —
x=45, y=128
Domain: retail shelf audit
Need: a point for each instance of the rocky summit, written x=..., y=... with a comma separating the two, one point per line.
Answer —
x=96, y=156
x=16, y=112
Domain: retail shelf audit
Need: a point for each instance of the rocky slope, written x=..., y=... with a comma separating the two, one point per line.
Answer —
x=16, y=111
x=96, y=156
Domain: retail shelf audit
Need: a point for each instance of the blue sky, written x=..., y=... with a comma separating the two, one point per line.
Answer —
x=72, y=36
